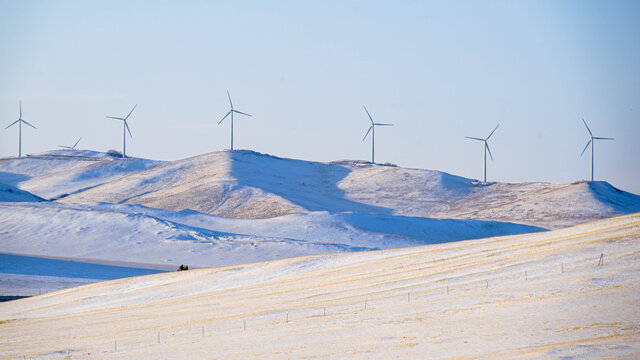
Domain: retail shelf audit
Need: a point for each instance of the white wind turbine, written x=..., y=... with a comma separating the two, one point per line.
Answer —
x=71, y=147
x=19, y=122
x=592, y=142
x=372, y=129
x=486, y=148
x=231, y=113
x=125, y=128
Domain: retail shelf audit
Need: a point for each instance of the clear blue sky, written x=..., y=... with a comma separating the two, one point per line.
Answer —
x=438, y=70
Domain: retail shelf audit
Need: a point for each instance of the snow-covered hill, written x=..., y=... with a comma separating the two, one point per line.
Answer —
x=245, y=184
x=136, y=234
x=568, y=293
x=57, y=173
x=263, y=207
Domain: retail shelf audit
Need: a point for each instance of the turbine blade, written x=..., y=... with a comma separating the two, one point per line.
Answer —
x=474, y=138
x=134, y=107
x=74, y=145
x=585, y=124
x=603, y=138
x=383, y=124
x=20, y=102
x=64, y=147
x=240, y=112
x=585, y=148
x=494, y=130
x=370, y=118
x=113, y=117
x=13, y=123
x=229, y=96
x=127, y=126
x=224, y=117
x=28, y=124
x=487, y=145
x=365, y=135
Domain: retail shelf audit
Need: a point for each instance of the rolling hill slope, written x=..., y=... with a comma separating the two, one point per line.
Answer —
x=57, y=173
x=571, y=292
x=244, y=184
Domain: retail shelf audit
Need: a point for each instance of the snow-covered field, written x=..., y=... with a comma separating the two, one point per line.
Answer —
x=568, y=293
x=136, y=234
x=227, y=208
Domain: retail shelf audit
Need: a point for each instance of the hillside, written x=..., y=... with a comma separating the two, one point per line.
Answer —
x=11, y=194
x=57, y=173
x=568, y=293
x=135, y=234
x=244, y=184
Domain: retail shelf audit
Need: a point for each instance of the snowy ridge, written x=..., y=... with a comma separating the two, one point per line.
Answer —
x=245, y=184
x=569, y=292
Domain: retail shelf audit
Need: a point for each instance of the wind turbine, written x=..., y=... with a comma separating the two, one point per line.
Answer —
x=20, y=121
x=125, y=128
x=591, y=141
x=231, y=113
x=486, y=148
x=372, y=129
x=71, y=147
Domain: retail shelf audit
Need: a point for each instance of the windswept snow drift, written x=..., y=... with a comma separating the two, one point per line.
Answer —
x=11, y=194
x=571, y=292
x=245, y=184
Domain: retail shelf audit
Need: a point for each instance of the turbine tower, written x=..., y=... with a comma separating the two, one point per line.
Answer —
x=19, y=122
x=591, y=142
x=486, y=148
x=372, y=129
x=231, y=113
x=125, y=128
x=71, y=147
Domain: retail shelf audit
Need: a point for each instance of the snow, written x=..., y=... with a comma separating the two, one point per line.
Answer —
x=138, y=234
x=28, y=275
x=57, y=173
x=245, y=184
x=11, y=194
x=533, y=295
x=227, y=208
x=291, y=242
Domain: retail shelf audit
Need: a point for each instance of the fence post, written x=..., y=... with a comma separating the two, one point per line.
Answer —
x=601, y=261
